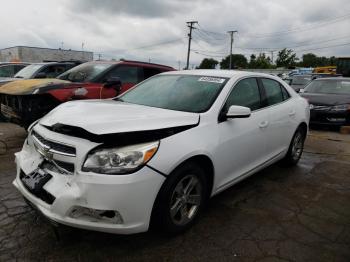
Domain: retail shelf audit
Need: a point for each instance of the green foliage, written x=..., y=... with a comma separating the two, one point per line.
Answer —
x=312, y=60
x=208, y=63
x=260, y=62
x=238, y=61
x=286, y=58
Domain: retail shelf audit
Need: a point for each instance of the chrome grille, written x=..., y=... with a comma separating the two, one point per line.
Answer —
x=54, y=147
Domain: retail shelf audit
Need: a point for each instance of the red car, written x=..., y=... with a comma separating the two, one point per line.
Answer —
x=25, y=101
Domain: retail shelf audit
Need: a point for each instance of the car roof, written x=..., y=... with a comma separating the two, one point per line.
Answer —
x=52, y=63
x=13, y=63
x=335, y=78
x=131, y=62
x=219, y=73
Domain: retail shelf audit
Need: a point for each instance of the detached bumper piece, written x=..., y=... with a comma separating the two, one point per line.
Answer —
x=25, y=109
x=35, y=182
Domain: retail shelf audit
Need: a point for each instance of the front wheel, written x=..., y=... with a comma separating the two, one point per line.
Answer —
x=296, y=147
x=181, y=199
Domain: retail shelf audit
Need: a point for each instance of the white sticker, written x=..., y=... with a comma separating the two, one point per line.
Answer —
x=211, y=79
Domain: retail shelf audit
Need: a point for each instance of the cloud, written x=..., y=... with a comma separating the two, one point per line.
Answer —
x=117, y=28
x=137, y=8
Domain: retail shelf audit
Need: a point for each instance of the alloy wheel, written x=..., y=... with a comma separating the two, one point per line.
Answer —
x=297, y=146
x=185, y=200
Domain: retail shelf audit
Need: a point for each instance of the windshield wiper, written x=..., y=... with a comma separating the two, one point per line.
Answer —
x=119, y=99
x=18, y=76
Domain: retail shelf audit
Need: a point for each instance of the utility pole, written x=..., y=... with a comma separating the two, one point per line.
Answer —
x=272, y=56
x=231, y=35
x=190, y=26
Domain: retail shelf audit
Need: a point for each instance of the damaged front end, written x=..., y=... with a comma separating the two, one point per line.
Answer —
x=25, y=109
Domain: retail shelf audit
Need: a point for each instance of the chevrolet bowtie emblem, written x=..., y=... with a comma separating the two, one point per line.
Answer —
x=45, y=152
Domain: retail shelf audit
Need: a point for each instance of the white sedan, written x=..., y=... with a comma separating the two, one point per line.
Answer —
x=154, y=155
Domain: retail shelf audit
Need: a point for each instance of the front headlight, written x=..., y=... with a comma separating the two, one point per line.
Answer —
x=340, y=107
x=120, y=160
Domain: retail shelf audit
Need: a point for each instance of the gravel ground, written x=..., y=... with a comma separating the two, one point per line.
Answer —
x=279, y=214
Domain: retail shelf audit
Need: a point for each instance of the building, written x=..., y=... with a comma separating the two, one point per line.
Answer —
x=39, y=54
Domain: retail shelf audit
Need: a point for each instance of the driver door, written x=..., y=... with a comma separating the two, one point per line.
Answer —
x=242, y=141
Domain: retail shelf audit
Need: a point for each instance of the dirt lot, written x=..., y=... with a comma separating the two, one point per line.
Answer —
x=279, y=214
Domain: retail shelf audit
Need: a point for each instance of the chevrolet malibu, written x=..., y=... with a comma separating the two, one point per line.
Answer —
x=153, y=156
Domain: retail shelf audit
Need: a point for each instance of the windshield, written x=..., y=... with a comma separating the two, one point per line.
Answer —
x=28, y=71
x=329, y=87
x=84, y=72
x=300, y=80
x=187, y=93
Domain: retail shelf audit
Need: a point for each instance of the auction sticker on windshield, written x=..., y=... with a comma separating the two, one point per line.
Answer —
x=212, y=80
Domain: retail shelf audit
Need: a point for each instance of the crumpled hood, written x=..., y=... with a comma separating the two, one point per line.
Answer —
x=24, y=87
x=108, y=117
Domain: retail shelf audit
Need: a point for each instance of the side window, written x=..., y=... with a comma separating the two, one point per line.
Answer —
x=245, y=93
x=273, y=91
x=285, y=93
x=127, y=74
x=7, y=71
x=19, y=67
x=148, y=72
x=54, y=70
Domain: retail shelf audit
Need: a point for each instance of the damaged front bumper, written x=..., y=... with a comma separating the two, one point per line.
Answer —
x=25, y=109
x=119, y=204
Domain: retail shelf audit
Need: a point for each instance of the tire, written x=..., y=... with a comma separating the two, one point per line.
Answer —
x=181, y=200
x=296, y=148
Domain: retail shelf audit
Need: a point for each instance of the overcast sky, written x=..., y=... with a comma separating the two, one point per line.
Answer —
x=131, y=28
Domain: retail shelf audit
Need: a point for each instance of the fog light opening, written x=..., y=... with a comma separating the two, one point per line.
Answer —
x=96, y=215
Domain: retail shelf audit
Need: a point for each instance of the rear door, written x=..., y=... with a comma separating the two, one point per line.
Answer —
x=242, y=141
x=282, y=112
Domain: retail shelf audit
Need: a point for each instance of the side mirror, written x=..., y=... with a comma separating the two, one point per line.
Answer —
x=238, y=112
x=41, y=75
x=302, y=90
x=113, y=82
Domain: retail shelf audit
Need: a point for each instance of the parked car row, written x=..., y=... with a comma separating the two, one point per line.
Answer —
x=10, y=69
x=329, y=100
x=154, y=155
x=25, y=101
x=40, y=70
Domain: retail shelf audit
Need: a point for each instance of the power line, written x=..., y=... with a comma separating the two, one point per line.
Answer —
x=200, y=53
x=294, y=46
x=157, y=44
x=323, y=47
x=199, y=35
x=211, y=32
x=303, y=29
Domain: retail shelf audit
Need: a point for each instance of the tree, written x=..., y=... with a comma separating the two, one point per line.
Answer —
x=312, y=60
x=286, y=58
x=309, y=60
x=260, y=62
x=252, y=62
x=208, y=63
x=238, y=61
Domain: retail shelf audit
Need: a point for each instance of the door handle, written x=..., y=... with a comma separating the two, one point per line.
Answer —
x=263, y=124
x=291, y=113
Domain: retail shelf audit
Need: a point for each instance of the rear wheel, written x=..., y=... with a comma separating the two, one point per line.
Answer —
x=181, y=199
x=296, y=147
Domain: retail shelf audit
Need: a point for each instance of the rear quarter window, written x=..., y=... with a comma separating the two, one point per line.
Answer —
x=273, y=91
